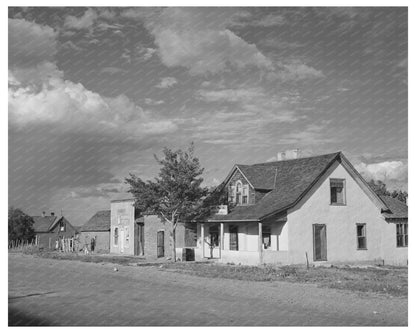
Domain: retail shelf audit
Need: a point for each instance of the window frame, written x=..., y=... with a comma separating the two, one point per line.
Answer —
x=404, y=235
x=344, y=194
x=364, y=225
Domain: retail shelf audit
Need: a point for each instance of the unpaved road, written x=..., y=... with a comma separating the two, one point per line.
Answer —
x=59, y=292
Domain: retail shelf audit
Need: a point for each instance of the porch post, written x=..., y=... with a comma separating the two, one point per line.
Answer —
x=221, y=237
x=202, y=240
x=260, y=242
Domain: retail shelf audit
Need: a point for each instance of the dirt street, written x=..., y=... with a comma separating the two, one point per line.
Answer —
x=59, y=292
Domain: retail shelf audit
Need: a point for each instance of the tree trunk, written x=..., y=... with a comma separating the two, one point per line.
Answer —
x=174, y=242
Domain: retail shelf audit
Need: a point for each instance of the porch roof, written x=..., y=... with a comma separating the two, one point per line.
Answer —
x=397, y=209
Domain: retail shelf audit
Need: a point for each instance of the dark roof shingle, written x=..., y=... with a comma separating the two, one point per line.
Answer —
x=397, y=208
x=101, y=221
x=287, y=181
x=43, y=223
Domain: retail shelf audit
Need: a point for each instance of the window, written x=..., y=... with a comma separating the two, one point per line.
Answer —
x=231, y=193
x=245, y=195
x=233, y=230
x=266, y=237
x=190, y=234
x=62, y=226
x=116, y=237
x=361, y=236
x=238, y=193
x=337, y=191
x=401, y=235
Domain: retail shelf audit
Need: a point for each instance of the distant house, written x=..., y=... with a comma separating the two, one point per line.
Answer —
x=145, y=235
x=318, y=209
x=49, y=229
x=97, y=228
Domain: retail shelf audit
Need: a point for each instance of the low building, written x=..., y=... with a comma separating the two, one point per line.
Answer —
x=95, y=233
x=317, y=209
x=146, y=235
x=52, y=228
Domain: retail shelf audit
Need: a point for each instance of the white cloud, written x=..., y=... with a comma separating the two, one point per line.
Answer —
x=295, y=70
x=229, y=95
x=201, y=42
x=384, y=171
x=166, y=82
x=71, y=107
x=30, y=43
x=153, y=102
x=86, y=21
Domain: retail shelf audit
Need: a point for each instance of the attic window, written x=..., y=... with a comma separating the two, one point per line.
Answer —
x=62, y=226
x=238, y=192
x=337, y=191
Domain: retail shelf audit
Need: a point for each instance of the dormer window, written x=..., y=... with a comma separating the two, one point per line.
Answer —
x=238, y=193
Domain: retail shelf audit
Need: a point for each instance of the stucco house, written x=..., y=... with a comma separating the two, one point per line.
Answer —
x=133, y=233
x=49, y=229
x=317, y=208
x=97, y=228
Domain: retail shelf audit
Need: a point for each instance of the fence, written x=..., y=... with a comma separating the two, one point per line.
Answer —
x=62, y=245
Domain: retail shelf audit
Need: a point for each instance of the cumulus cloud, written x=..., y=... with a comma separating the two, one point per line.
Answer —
x=201, y=42
x=166, y=82
x=384, y=171
x=295, y=70
x=30, y=43
x=86, y=21
x=72, y=107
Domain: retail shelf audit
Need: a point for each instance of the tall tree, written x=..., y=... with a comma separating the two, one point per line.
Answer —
x=20, y=225
x=175, y=193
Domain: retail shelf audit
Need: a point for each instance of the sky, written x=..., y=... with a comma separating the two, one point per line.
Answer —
x=94, y=93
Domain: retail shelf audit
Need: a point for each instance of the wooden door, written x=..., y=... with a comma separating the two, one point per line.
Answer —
x=141, y=239
x=160, y=244
x=319, y=242
x=233, y=238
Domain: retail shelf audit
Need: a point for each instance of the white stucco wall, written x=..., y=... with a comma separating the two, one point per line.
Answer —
x=340, y=223
x=122, y=217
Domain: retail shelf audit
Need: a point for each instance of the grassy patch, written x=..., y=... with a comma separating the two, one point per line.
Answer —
x=385, y=280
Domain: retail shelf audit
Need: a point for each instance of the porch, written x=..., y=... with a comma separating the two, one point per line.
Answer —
x=244, y=242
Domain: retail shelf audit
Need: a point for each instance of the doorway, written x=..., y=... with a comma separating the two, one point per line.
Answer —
x=139, y=239
x=319, y=242
x=160, y=244
x=212, y=248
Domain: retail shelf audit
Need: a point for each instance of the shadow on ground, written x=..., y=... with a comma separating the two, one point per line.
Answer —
x=19, y=318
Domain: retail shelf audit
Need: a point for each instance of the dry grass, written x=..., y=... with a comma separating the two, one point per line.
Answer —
x=385, y=280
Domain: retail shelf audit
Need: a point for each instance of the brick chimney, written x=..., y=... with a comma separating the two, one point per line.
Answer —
x=288, y=154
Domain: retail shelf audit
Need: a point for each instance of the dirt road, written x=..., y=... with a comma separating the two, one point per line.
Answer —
x=58, y=292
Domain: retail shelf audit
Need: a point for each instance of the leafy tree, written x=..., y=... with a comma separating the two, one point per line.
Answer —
x=175, y=194
x=381, y=189
x=20, y=225
x=400, y=195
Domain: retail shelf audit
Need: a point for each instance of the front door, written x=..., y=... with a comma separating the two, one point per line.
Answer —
x=160, y=244
x=121, y=240
x=140, y=239
x=319, y=242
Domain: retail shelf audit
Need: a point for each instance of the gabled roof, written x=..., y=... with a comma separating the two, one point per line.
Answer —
x=101, y=221
x=397, y=209
x=43, y=223
x=288, y=181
